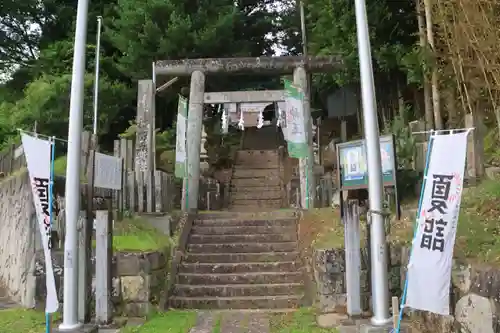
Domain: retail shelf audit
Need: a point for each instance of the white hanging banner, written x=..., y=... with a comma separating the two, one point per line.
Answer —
x=38, y=156
x=181, y=144
x=429, y=269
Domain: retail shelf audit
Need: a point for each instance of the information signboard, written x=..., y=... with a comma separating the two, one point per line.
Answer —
x=353, y=168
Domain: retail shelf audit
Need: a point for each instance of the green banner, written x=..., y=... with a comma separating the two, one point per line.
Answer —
x=295, y=125
x=180, y=145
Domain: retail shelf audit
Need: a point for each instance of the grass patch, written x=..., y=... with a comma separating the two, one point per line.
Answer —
x=301, y=321
x=23, y=320
x=216, y=328
x=322, y=228
x=166, y=322
x=136, y=234
x=478, y=233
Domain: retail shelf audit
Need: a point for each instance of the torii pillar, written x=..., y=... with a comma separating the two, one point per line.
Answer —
x=306, y=165
x=194, y=128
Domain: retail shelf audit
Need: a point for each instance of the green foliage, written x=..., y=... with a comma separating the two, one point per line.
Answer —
x=492, y=148
x=332, y=31
x=407, y=178
x=46, y=101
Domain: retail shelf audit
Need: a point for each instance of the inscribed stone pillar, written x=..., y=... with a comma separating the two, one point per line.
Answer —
x=307, y=183
x=195, y=124
x=145, y=143
x=145, y=122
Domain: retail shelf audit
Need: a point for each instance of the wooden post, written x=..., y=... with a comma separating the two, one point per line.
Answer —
x=475, y=148
x=117, y=195
x=123, y=156
x=104, y=246
x=395, y=312
x=85, y=250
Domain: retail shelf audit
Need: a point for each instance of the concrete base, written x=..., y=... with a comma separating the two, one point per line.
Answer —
x=88, y=328
x=364, y=326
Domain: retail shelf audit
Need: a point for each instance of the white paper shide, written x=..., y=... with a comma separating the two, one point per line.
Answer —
x=38, y=159
x=429, y=269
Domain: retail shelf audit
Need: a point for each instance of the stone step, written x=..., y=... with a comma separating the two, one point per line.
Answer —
x=254, y=182
x=280, y=214
x=243, y=248
x=252, y=155
x=240, y=257
x=262, y=175
x=253, y=193
x=238, y=290
x=243, y=267
x=243, y=238
x=254, y=302
x=246, y=223
x=256, y=203
x=257, y=164
x=244, y=229
x=242, y=278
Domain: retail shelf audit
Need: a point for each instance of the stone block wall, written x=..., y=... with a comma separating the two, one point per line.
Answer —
x=329, y=274
x=138, y=284
x=19, y=236
x=474, y=295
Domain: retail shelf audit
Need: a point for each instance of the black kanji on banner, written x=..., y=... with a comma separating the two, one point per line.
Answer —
x=441, y=185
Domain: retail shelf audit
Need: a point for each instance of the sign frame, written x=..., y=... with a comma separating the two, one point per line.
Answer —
x=388, y=180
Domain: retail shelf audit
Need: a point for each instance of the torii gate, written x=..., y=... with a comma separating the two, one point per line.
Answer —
x=199, y=68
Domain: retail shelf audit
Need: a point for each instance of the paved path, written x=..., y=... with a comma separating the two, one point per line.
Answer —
x=231, y=322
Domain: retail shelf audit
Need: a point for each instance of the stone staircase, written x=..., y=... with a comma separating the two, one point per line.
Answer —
x=256, y=182
x=241, y=261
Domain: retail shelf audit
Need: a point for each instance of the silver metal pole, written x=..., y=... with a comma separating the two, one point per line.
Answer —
x=70, y=307
x=96, y=79
x=380, y=285
x=154, y=75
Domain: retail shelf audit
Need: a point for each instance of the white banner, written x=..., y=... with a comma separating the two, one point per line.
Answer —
x=37, y=153
x=108, y=172
x=429, y=269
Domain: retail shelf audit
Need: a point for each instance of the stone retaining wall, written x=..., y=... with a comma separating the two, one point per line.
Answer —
x=138, y=284
x=18, y=237
x=475, y=294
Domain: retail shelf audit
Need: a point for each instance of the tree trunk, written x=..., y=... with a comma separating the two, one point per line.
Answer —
x=452, y=108
x=438, y=120
x=401, y=102
x=422, y=32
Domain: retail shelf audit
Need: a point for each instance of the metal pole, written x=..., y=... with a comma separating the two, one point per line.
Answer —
x=380, y=286
x=96, y=79
x=154, y=75
x=70, y=307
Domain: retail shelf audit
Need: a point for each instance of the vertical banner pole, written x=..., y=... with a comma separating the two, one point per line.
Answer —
x=48, y=317
x=405, y=290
